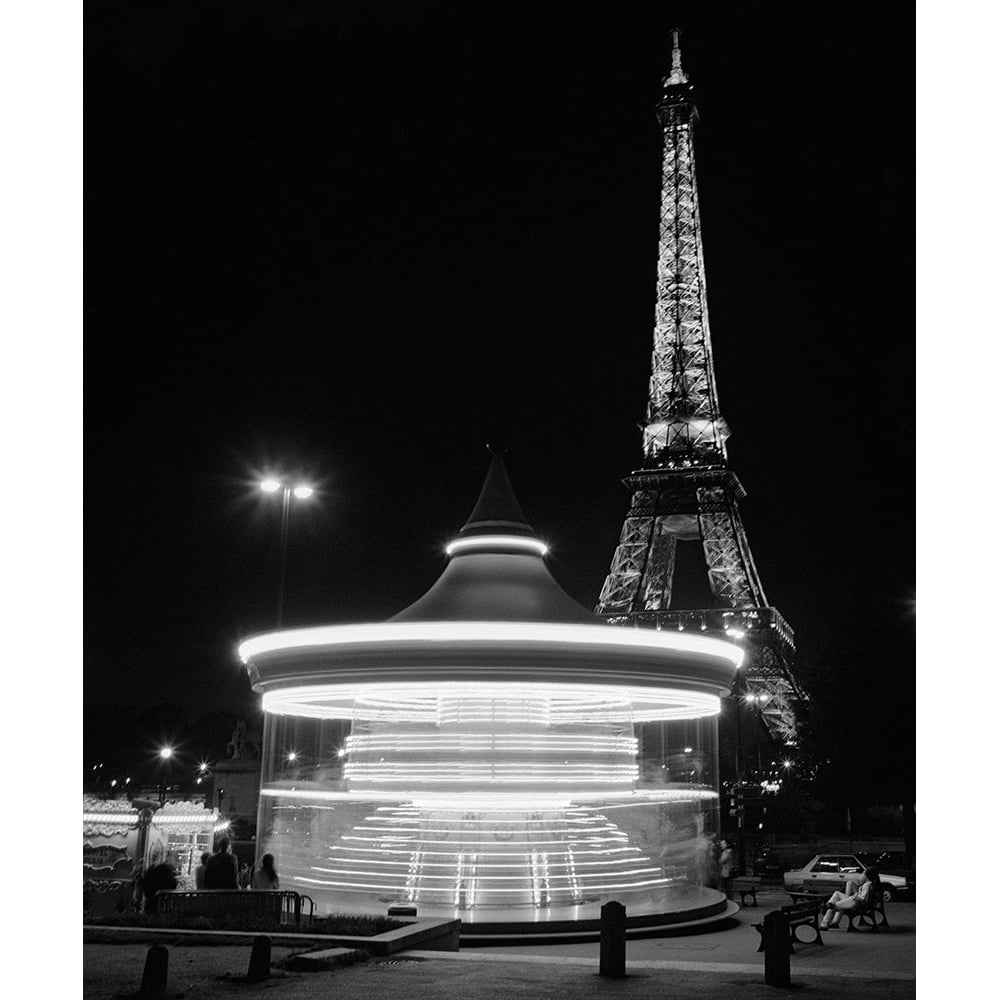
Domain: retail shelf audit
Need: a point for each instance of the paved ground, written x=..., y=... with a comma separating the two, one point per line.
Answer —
x=708, y=966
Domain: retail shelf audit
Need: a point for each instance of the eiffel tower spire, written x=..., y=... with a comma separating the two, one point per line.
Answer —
x=677, y=75
x=683, y=424
x=684, y=491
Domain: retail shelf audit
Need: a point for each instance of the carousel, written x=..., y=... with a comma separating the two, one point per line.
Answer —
x=495, y=751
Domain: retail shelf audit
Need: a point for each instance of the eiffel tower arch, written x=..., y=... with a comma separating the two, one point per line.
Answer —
x=684, y=491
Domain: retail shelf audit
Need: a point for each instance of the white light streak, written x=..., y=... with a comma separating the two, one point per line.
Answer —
x=498, y=801
x=556, y=704
x=514, y=543
x=484, y=742
x=450, y=772
x=388, y=634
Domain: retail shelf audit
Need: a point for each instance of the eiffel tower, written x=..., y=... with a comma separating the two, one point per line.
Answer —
x=684, y=491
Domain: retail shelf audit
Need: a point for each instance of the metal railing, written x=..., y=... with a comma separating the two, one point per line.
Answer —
x=283, y=906
x=756, y=622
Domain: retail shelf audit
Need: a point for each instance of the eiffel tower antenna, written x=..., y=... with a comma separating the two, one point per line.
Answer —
x=677, y=75
x=684, y=491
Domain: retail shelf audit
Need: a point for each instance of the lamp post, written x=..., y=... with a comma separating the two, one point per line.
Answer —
x=300, y=492
x=760, y=700
x=739, y=781
x=738, y=695
x=165, y=754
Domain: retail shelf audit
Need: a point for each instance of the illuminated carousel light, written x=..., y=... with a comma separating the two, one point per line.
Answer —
x=417, y=702
x=513, y=543
x=492, y=632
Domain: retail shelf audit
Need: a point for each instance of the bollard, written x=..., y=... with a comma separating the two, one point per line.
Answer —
x=154, y=975
x=260, y=959
x=613, y=941
x=777, y=948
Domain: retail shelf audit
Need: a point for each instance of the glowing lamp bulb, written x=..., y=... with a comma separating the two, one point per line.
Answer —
x=303, y=492
x=292, y=757
x=166, y=753
x=270, y=485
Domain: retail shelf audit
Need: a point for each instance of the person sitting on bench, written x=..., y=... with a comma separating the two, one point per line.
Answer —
x=854, y=899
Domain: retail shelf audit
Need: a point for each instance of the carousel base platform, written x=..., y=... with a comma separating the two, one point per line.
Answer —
x=583, y=923
x=650, y=917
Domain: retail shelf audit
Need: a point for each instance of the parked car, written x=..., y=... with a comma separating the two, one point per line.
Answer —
x=891, y=863
x=772, y=862
x=829, y=872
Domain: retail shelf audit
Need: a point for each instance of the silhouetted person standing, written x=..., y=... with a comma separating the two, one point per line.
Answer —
x=199, y=872
x=266, y=877
x=222, y=868
x=158, y=877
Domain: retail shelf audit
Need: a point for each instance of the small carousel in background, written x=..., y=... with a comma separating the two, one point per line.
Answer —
x=123, y=838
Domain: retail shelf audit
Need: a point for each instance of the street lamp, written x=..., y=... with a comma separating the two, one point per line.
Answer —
x=760, y=700
x=300, y=492
x=165, y=754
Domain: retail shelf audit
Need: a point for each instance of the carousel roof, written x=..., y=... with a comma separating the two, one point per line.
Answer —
x=496, y=570
x=495, y=616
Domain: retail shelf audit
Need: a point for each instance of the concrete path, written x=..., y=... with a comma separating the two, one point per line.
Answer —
x=708, y=966
x=857, y=955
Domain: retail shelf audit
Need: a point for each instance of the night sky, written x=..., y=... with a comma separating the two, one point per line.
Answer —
x=358, y=241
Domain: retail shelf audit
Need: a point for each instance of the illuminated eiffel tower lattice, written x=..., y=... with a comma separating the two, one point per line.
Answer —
x=684, y=491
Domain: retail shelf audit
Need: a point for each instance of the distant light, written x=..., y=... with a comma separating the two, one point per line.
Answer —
x=198, y=782
x=127, y=780
x=203, y=766
x=303, y=492
x=735, y=633
x=292, y=756
x=687, y=749
x=166, y=753
x=786, y=764
x=114, y=781
x=270, y=485
x=341, y=752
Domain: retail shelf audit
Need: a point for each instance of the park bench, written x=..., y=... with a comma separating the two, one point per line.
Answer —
x=745, y=885
x=867, y=916
x=805, y=913
x=279, y=906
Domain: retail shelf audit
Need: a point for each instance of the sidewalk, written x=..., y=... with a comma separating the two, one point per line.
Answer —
x=708, y=966
x=857, y=955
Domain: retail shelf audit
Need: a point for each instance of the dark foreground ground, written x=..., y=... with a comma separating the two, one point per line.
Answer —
x=714, y=965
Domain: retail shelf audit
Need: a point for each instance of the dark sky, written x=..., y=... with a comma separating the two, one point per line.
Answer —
x=361, y=240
